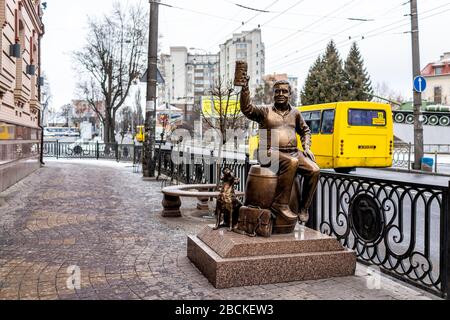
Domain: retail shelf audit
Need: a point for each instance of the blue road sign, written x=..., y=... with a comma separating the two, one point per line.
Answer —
x=420, y=84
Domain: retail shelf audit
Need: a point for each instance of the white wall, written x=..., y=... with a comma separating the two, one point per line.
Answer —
x=431, y=134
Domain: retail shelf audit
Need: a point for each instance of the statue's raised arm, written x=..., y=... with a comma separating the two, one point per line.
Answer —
x=251, y=111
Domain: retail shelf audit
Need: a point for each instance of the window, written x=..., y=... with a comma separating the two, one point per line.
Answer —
x=438, y=71
x=359, y=117
x=327, y=122
x=312, y=119
x=437, y=95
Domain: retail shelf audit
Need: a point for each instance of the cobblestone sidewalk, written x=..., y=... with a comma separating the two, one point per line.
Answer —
x=101, y=221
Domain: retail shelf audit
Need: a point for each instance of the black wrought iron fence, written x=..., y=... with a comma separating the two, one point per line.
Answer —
x=403, y=228
x=182, y=167
x=112, y=151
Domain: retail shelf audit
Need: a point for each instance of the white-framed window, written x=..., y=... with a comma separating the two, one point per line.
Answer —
x=438, y=71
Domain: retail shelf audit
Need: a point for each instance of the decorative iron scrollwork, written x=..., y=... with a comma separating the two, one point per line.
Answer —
x=78, y=150
x=366, y=218
x=388, y=223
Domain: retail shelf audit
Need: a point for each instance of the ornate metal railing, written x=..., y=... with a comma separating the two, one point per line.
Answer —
x=182, y=167
x=402, y=155
x=403, y=228
x=113, y=151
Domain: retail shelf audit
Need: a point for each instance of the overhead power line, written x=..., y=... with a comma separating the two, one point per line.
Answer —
x=248, y=8
x=360, y=37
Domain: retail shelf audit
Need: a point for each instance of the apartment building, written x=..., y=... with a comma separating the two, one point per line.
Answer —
x=189, y=75
x=246, y=46
x=20, y=132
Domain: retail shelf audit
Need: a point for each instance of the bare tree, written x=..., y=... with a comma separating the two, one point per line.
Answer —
x=138, y=114
x=263, y=94
x=224, y=115
x=113, y=57
x=126, y=121
x=66, y=112
x=383, y=93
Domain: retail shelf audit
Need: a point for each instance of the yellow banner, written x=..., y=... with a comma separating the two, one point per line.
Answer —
x=229, y=107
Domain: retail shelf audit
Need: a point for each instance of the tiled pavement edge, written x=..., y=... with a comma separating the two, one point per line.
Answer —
x=104, y=219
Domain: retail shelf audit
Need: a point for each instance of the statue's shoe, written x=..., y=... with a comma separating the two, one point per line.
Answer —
x=284, y=211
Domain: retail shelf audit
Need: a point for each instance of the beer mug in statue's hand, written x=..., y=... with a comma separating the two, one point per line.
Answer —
x=240, y=76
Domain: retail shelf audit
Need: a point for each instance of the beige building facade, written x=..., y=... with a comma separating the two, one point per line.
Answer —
x=20, y=132
x=437, y=75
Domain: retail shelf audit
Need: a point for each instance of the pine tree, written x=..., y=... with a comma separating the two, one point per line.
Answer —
x=357, y=80
x=333, y=80
x=312, y=92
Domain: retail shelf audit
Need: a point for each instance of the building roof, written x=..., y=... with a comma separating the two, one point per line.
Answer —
x=444, y=63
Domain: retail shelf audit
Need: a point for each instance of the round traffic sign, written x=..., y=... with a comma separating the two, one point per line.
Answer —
x=420, y=84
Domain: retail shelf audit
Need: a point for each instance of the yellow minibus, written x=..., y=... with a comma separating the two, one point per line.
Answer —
x=348, y=134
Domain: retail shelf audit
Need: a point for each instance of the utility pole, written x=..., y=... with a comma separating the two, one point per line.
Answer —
x=418, y=127
x=150, y=111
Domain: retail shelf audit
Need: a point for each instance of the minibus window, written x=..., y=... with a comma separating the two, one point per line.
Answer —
x=306, y=115
x=328, y=122
x=313, y=121
x=358, y=117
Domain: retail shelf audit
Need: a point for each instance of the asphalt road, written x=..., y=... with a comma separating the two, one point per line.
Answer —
x=391, y=174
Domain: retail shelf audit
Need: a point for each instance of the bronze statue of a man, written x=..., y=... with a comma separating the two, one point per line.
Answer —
x=283, y=122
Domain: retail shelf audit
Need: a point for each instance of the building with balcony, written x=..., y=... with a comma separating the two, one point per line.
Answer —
x=188, y=75
x=22, y=29
x=246, y=46
x=437, y=75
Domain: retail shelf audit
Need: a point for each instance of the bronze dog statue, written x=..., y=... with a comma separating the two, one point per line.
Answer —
x=228, y=205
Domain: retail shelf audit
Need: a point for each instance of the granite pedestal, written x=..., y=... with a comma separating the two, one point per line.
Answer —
x=228, y=259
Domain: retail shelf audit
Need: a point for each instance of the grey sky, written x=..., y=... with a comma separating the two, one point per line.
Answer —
x=295, y=32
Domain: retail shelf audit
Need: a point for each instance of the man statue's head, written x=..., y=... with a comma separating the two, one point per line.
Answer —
x=282, y=93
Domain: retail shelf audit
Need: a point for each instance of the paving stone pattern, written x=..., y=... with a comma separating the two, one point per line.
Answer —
x=104, y=219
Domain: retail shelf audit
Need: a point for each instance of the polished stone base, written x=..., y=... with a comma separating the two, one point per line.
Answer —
x=13, y=172
x=228, y=259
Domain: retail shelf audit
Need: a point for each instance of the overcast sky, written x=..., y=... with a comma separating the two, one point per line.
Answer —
x=295, y=32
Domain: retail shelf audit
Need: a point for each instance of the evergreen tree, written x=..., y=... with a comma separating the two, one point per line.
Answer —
x=357, y=80
x=333, y=80
x=312, y=92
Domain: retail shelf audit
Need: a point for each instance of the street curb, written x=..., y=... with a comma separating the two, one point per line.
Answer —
x=416, y=171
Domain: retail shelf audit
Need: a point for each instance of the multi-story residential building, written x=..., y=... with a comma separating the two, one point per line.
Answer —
x=437, y=75
x=246, y=46
x=20, y=131
x=188, y=76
